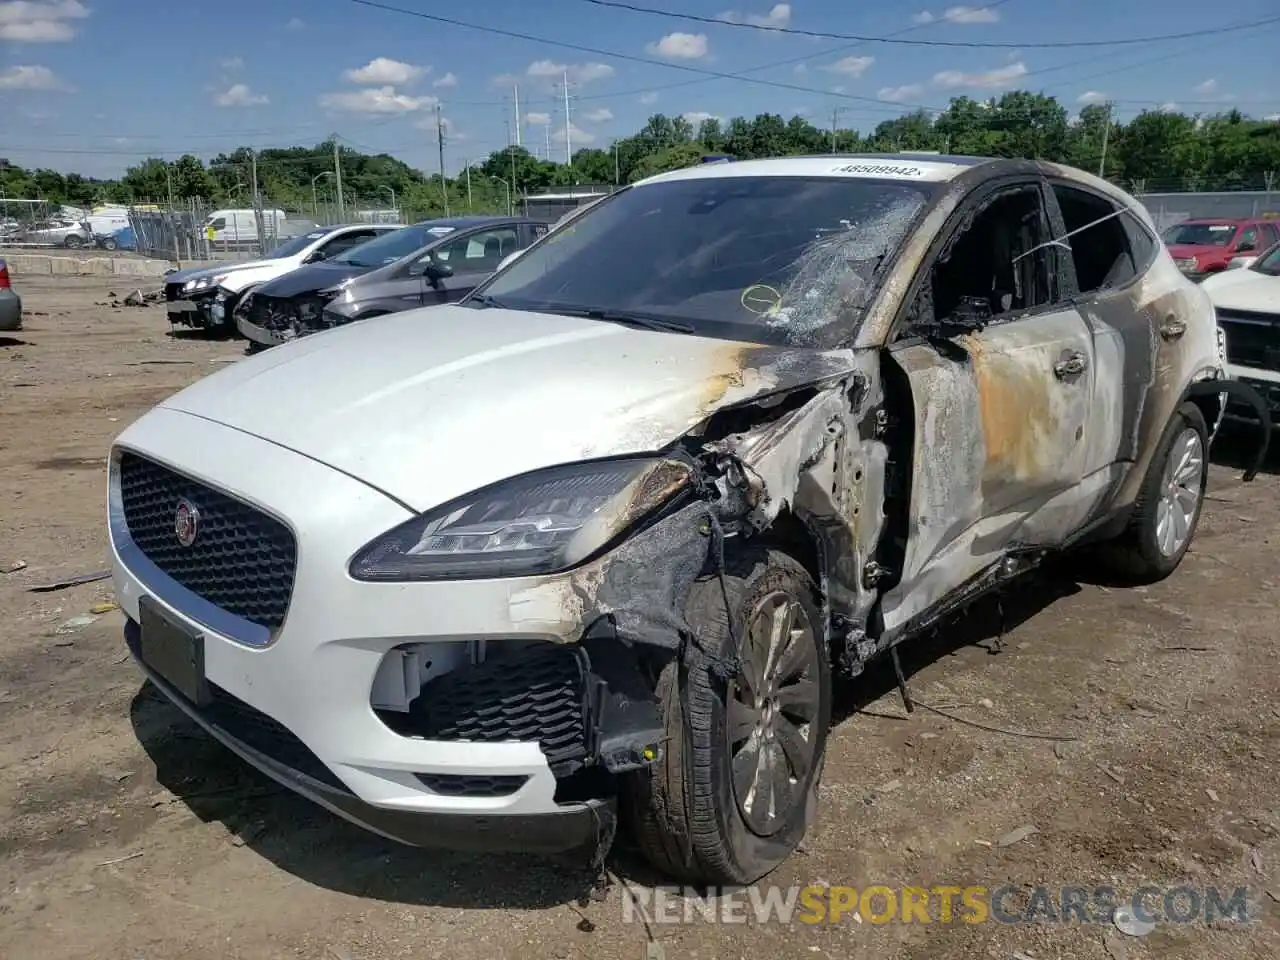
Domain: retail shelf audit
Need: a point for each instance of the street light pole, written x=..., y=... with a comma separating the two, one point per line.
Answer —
x=315, y=206
x=508, y=186
x=391, y=189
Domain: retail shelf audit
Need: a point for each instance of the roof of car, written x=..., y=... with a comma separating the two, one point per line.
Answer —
x=475, y=221
x=927, y=167
x=1238, y=221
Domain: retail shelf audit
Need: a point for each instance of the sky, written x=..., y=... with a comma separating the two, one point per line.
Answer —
x=94, y=86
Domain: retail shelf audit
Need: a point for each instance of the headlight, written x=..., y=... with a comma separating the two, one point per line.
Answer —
x=542, y=522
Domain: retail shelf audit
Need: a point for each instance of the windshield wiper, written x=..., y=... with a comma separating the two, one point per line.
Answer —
x=484, y=300
x=644, y=321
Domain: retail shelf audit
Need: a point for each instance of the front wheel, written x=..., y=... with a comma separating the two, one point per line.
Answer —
x=110, y=243
x=73, y=242
x=1169, y=504
x=737, y=787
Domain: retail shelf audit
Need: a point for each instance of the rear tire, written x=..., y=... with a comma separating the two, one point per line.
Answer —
x=73, y=242
x=110, y=243
x=694, y=814
x=1170, y=502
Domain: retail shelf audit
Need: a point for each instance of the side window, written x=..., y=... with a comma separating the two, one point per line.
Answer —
x=478, y=252
x=1145, y=247
x=219, y=224
x=345, y=242
x=999, y=264
x=1098, y=239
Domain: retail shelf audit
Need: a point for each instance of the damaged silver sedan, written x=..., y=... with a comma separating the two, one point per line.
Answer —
x=589, y=546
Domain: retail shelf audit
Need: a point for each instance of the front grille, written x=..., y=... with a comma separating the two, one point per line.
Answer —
x=536, y=694
x=242, y=560
x=466, y=785
x=1253, y=339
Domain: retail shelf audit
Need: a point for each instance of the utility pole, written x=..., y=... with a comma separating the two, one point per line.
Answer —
x=547, y=131
x=517, y=94
x=468, y=183
x=1106, y=134
x=511, y=189
x=568, y=126
x=835, y=121
x=617, y=174
x=257, y=201
x=337, y=179
x=444, y=189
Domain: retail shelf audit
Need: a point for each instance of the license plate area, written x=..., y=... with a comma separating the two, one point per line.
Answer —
x=175, y=653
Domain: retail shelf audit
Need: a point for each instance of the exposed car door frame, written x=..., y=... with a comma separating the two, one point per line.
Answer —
x=962, y=527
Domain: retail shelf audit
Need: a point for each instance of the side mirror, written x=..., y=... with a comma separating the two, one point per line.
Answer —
x=432, y=271
x=1245, y=246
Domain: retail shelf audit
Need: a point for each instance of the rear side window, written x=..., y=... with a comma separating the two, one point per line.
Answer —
x=1099, y=240
x=1141, y=241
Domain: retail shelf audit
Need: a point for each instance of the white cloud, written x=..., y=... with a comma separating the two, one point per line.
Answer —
x=680, y=46
x=648, y=98
x=40, y=21
x=1167, y=107
x=295, y=24
x=1208, y=86
x=381, y=72
x=908, y=91
x=802, y=68
x=779, y=15
x=375, y=100
x=971, y=15
x=550, y=70
x=577, y=136
x=602, y=115
x=448, y=80
x=30, y=78
x=850, y=66
x=1000, y=78
x=960, y=14
x=232, y=63
x=239, y=95
x=1092, y=96
x=537, y=119
x=697, y=116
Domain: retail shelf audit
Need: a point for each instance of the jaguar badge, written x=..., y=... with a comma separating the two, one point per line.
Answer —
x=186, y=522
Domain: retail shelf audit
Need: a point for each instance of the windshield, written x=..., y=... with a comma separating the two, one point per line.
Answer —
x=1200, y=234
x=778, y=260
x=392, y=246
x=1268, y=262
x=296, y=244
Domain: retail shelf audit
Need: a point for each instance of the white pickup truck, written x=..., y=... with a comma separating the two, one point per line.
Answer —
x=206, y=296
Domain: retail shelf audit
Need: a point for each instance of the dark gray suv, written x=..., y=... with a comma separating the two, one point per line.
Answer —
x=438, y=261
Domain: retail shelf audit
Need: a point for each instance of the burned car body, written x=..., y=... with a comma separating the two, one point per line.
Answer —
x=595, y=539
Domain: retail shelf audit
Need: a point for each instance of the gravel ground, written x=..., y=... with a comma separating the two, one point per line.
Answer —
x=124, y=832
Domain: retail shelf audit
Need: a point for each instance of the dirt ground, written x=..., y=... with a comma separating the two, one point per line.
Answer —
x=125, y=832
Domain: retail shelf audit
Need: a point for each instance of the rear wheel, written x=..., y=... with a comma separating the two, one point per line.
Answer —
x=110, y=243
x=737, y=787
x=1169, y=503
x=72, y=241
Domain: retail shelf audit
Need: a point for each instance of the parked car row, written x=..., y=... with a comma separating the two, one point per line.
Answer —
x=335, y=275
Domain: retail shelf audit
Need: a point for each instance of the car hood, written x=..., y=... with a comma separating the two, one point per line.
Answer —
x=196, y=273
x=430, y=404
x=1187, y=251
x=310, y=278
x=1244, y=290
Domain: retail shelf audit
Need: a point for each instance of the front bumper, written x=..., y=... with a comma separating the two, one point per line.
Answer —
x=1265, y=382
x=316, y=677
x=193, y=311
x=260, y=334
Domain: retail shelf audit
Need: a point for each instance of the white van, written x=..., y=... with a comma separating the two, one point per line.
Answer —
x=241, y=226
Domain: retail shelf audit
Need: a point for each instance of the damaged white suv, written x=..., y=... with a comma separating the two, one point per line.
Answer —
x=594, y=540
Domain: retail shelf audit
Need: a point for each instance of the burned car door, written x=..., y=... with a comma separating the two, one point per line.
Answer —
x=999, y=363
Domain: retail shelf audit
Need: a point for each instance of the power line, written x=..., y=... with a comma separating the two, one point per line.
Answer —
x=983, y=44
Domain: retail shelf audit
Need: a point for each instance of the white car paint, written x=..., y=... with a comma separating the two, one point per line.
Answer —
x=1251, y=291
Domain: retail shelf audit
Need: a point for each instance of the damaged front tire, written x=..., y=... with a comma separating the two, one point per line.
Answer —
x=737, y=787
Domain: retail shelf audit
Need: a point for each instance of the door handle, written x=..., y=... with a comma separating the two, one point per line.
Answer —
x=1172, y=329
x=1072, y=366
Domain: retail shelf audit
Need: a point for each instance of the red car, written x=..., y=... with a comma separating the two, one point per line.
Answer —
x=1201, y=247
